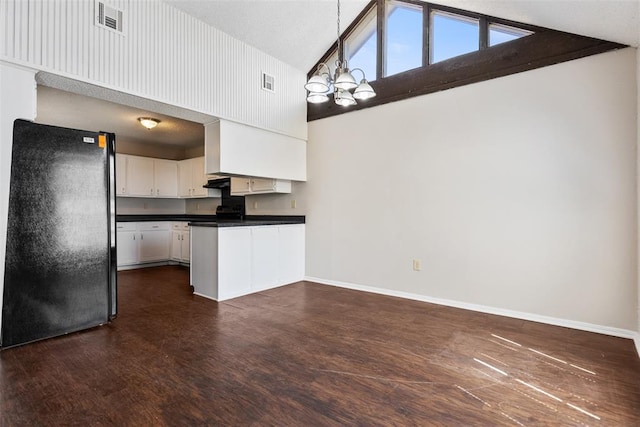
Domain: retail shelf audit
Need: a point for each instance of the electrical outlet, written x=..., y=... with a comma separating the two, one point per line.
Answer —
x=416, y=265
x=144, y=205
x=293, y=204
x=197, y=206
x=255, y=205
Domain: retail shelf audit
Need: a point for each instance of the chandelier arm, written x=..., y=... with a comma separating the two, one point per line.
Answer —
x=359, y=69
x=322, y=64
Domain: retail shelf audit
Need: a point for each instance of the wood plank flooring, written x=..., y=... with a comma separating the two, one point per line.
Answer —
x=314, y=355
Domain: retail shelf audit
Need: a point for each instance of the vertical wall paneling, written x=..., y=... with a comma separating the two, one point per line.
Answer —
x=162, y=54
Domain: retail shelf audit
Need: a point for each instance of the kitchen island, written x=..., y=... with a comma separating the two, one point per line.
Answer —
x=231, y=258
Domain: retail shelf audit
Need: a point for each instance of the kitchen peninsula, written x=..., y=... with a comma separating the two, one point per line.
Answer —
x=231, y=258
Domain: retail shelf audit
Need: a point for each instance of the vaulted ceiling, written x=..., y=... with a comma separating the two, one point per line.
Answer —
x=298, y=32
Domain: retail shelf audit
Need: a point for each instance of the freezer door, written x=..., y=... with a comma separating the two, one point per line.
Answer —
x=58, y=264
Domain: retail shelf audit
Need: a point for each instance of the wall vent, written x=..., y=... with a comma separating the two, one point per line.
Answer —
x=108, y=17
x=268, y=82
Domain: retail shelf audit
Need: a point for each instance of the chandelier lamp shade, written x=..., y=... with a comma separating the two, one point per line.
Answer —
x=320, y=84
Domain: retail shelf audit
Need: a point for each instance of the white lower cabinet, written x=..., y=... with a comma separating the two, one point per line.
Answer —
x=155, y=241
x=127, y=243
x=143, y=242
x=234, y=264
x=264, y=258
x=180, y=242
x=229, y=262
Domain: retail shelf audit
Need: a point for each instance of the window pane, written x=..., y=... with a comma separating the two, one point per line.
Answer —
x=404, y=37
x=360, y=47
x=453, y=35
x=503, y=33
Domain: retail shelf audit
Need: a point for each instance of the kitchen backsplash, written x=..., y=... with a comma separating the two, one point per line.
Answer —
x=202, y=206
x=134, y=205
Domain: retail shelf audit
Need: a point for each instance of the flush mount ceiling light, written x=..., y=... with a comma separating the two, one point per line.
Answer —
x=148, y=122
x=343, y=81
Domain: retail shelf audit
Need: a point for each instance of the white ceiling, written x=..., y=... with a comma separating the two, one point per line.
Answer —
x=66, y=109
x=299, y=32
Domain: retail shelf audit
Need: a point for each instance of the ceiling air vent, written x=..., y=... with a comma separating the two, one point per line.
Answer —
x=268, y=82
x=108, y=17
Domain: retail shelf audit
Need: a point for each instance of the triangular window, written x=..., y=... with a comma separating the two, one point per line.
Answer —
x=409, y=47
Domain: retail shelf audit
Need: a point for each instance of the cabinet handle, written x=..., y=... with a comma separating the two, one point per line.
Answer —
x=141, y=236
x=134, y=237
x=158, y=192
x=151, y=191
x=123, y=189
x=154, y=226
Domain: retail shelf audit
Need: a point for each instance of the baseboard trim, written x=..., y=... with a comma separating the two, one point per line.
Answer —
x=583, y=326
x=205, y=296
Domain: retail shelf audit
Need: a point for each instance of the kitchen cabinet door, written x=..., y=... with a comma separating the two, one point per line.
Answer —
x=154, y=245
x=240, y=186
x=165, y=178
x=184, y=178
x=234, y=262
x=186, y=246
x=262, y=185
x=140, y=180
x=121, y=175
x=127, y=248
x=291, y=253
x=198, y=178
x=264, y=258
x=176, y=245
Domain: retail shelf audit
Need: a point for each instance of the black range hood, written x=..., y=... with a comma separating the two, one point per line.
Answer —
x=218, y=183
x=232, y=207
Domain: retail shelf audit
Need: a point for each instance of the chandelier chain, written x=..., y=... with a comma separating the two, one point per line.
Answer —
x=338, y=31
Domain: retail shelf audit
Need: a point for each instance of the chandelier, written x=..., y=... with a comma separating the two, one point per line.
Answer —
x=343, y=81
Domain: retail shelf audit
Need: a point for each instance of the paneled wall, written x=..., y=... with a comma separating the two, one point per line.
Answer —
x=163, y=54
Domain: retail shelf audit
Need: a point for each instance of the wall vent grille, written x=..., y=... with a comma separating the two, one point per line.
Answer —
x=108, y=17
x=268, y=82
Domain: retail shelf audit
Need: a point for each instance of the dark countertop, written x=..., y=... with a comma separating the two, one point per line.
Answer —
x=164, y=217
x=211, y=221
x=245, y=223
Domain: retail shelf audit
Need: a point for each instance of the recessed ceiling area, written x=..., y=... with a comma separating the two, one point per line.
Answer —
x=60, y=108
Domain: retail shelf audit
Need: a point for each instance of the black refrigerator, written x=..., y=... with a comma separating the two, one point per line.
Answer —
x=60, y=264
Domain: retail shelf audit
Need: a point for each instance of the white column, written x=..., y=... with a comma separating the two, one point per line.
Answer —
x=17, y=101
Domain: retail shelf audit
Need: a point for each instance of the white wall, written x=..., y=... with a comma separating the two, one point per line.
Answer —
x=164, y=55
x=517, y=193
x=17, y=101
x=637, y=339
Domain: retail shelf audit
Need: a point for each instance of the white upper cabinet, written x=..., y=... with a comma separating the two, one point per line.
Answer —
x=191, y=179
x=237, y=149
x=165, y=178
x=185, y=186
x=147, y=177
x=140, y=176
x=121, y=175
x=246, y=186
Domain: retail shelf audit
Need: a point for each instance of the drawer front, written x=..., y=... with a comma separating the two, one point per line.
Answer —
x=126, y=226
x=154, y=225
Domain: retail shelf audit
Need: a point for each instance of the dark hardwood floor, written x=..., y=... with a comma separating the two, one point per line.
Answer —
x=313, y=355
